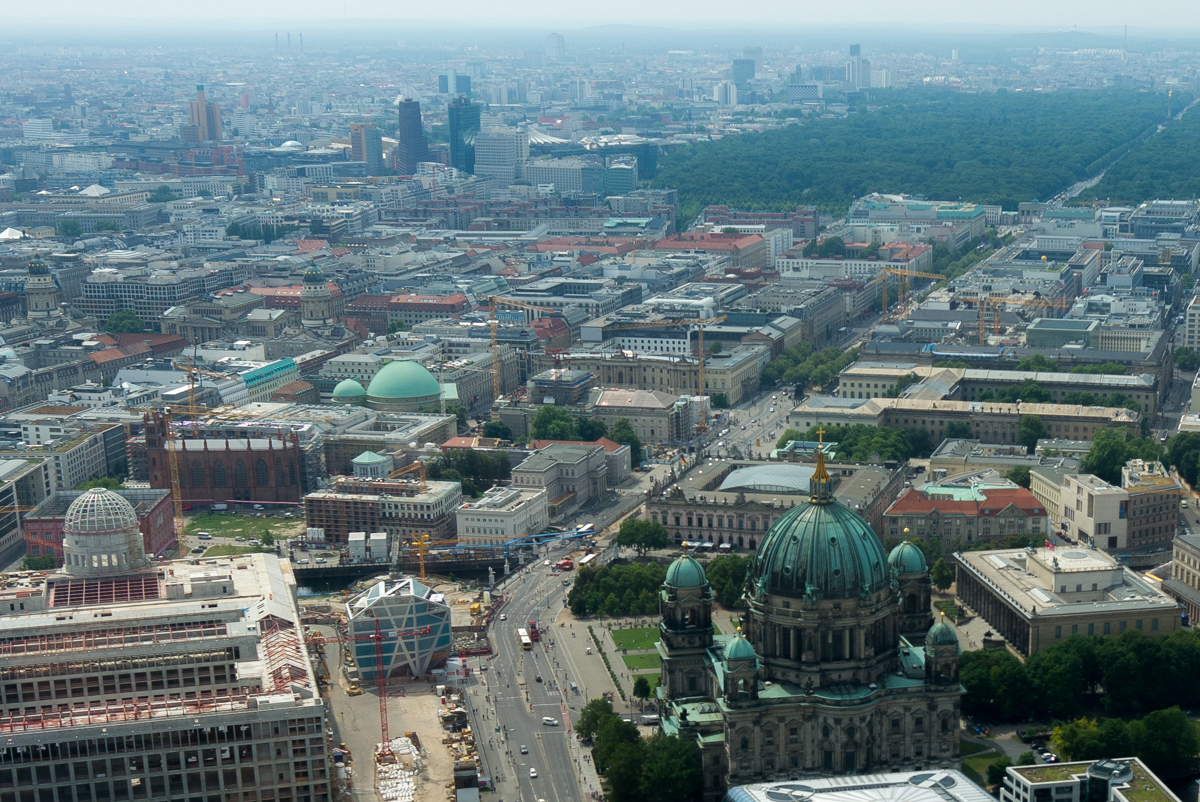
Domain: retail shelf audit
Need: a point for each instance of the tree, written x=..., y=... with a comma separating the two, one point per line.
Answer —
x=69, y=228
x=788, y=436
x=1037, y=364
x=124, y=322
x=553, y=423
x=960, y=430
x=671, y=771
x=1029, y=431
x=1113, y=447
x=642, y=535
x=1019, y=475
x=592, y=715
x=1187, y=360
x=43, y=563
x=1103, y=369
x=459, y=412
x=398, y=326
x=268, y=541
x=590, y=430
x=941, y=575
x=1165, y=739
x=107, y=482
x=727, y=578
x=497, y=429
x=641, y=687
x=1026, y=759
x=622, y=432
x=996, y=770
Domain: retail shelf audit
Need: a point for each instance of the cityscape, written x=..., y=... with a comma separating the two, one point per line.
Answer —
x=841, y=383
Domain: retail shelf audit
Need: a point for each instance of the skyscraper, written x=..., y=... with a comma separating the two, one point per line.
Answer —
x=464, y=125
x=366, y=145
x=501, y=153
x=413, y=147
x=854, y=69
x=205, y=116
x=742, y=72
x=555, y=46
x=755, y=54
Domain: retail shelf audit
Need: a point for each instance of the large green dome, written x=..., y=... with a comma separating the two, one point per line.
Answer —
x=348, y=389
x=941, y=634
x=907, y=559
x=820, y=548
x=403, y=380
x=686, y=572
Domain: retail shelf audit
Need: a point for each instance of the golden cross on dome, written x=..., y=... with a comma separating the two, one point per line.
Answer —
x=821, y=435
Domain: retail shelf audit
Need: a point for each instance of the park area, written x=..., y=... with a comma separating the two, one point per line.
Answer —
x=244, y=527
x=638, y=662
x=634, y=639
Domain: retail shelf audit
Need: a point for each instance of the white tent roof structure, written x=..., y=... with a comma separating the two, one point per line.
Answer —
x=11, y=234
x=95, y=191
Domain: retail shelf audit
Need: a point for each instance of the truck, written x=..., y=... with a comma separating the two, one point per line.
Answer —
x=565, y=565
x=531, y=628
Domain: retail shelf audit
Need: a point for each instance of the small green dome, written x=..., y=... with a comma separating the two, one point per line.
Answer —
x=824, y=548
x=941, y=634
x=739, y=649
x=314, y=275
x=685, y=572
x=348, y=389
x=403, y=380
x=37, y=266
x=907, y=559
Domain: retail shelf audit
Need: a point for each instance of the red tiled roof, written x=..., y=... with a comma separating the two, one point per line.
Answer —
x=607, y=444
x=119, y=352
x=913, y=502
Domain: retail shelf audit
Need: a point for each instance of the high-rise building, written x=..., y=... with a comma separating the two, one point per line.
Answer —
x=205, y=116
x=854, y=69
x=742, y=71
x=555, y=46
x=462, y=84
x=366, y=145
x=725, y=93
x=755, y=54
x=413, y=147
x=501, y=153
x=621, y=176
x=464, y=127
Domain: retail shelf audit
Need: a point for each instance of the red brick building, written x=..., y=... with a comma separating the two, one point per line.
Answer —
x=414, y=309
x=43, y=526
x=256, y=469
x=371, y=311
x=745, y=251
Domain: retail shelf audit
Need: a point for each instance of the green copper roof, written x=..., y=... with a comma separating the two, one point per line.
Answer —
x=402, y=381
x=941, y=634
x=822, y=549
x=739, y=649
x=907, y=559
x=685, y=572
x=348, y=388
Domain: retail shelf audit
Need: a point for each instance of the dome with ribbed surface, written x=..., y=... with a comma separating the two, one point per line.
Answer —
x=348, y=389
x=403, y=381
x=739, y=649
x=37, y=266
x=941, y=634
x=314, y=275
x=907, y=559
x=99, y=511
x=822, y=549
x=686, y=572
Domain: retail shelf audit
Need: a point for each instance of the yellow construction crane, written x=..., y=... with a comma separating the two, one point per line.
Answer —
x=986, y=301
x=492, y=326
x=173, y=464
x=414, y=468
x=903, y=277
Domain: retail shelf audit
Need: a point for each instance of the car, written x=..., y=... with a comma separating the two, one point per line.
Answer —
x=524, y=749
x=198, y=550
x=566, y=581
x=320, y=559
x=1050, y=757
x=354, y=690
x=533, y=773
x=253, y=541
x=304, y=561
x=259, y=507
x=538, y=678
x=204, y=535
x=549, y=722
x=503, y=617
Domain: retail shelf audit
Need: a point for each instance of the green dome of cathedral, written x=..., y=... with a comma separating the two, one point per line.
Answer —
x=686, y=572
x=907, y=559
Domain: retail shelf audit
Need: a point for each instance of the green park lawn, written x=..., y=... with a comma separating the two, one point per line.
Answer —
x=244, y=526
x=634, y=639
x=642, y=661
x=227, y=550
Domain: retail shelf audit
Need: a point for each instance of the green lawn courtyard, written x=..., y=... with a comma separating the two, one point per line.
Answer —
x=634, y=639
x=642, y=661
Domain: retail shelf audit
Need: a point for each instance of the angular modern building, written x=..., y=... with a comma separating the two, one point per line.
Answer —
x=125, y=679
x=819, y=679
x=412, y=147
x=464, y=126
x=413, y=622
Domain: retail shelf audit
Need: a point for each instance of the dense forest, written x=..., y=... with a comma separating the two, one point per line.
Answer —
x=1165, y=166
x=1001, y=148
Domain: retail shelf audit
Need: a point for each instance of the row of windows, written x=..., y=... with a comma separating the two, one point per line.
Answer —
x=1107, y=627
x=261, y=473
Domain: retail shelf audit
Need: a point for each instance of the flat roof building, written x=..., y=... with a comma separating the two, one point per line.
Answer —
x=502, y=514
x=1124, y=779
x=934, y=785
x=1036, y=597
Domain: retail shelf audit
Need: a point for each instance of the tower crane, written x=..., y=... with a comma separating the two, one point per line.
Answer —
x=385, y=747
x=985, y=301
x=902, y=283
x=492, y=327
x=416, y=467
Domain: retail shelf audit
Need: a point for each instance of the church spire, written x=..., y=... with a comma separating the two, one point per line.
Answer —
x=821, y=485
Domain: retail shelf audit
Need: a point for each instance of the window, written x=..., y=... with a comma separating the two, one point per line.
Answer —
x=239, y=474
x=197, y=474
x=1154, y=625
x=1091, y=629
x=1058, y=631
x=794, y=735
x=218, y=472
x=1107, y=627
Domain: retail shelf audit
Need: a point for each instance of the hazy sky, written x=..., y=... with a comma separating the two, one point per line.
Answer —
x=1107, y=16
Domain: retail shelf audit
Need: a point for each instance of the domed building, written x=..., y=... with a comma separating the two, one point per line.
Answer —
x=101, y=536
x=42, y=297
x=349, y=391
x=403, y=386
x=820, y=678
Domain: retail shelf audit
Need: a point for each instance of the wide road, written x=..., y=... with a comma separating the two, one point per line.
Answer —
x=514, y=701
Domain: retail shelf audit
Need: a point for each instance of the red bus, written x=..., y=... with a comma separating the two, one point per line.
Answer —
x=531, y=627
